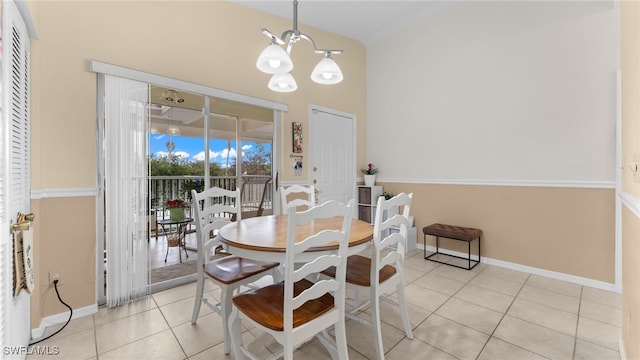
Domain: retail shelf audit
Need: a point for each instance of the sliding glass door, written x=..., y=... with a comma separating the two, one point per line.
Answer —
x=238, y=132
x=239, y=156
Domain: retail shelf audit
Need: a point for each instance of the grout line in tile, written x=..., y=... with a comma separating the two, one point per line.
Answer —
x=133, y=341
x=551, y=289
x=598, y=321
x=451, y=297
x=172, y=330
x=502, y=318
x=575, y=338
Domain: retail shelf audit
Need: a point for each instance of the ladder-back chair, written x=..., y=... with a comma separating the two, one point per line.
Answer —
x=213, y=208
x=296, y=309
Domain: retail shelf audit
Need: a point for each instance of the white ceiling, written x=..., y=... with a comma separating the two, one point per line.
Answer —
x=366, y=21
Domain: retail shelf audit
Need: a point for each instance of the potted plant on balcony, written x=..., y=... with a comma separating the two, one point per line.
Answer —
x=176, y=208
x=369, y=174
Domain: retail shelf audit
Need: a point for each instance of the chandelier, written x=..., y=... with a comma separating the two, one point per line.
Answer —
x=276, y=61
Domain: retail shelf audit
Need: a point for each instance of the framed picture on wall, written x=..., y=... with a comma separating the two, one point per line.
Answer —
x=296, y=130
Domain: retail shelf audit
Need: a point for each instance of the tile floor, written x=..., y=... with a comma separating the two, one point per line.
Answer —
x=486, y=313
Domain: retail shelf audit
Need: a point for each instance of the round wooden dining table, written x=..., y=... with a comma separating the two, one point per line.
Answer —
x=265, y=237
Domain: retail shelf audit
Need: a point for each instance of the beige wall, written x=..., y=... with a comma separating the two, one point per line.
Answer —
x=66, y=244
x=213, y=43
x=558, y=229
x=630, y=48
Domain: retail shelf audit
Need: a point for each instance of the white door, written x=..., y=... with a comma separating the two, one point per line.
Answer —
x=332, y=150
x=14, y=173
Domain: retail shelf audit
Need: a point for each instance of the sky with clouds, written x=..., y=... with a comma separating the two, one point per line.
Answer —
x=192, y=148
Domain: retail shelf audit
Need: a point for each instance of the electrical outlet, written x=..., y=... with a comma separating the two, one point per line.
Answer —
x=53, y=276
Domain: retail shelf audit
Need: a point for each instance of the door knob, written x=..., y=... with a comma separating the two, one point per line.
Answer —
x=22, y=222
x=315, y=181
x=23, y=226
x=315, y=168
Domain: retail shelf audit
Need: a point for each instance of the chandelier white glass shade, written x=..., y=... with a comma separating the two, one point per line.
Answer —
x=327, y=72
x=276, y=61
x=282, y=83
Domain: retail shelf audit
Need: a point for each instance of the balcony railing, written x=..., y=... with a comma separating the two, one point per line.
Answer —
x=254, y=191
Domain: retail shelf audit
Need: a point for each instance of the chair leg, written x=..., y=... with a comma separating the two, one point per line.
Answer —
x=341, y=340
x=402, y=308
x=287, y=348
x=236, y=334
x=226, y=305
x=375, y=322
x=198, y=299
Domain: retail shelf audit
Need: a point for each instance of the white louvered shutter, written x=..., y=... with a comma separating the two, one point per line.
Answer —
x=15, y=177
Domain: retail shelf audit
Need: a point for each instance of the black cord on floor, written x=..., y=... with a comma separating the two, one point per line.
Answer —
x=55, y=285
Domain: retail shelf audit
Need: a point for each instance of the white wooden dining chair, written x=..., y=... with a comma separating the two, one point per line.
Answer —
x=382, y=272
x=213, y=209
x=296, y=309
x=300, y=196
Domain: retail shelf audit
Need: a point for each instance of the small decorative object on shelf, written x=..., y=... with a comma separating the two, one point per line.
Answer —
x=369, y=175
x=176, y=209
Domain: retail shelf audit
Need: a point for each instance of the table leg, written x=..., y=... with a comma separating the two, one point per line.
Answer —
x=164, y=231
x=182, y=230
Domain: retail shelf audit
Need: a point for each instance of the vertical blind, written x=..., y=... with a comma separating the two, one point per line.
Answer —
x=125, y=174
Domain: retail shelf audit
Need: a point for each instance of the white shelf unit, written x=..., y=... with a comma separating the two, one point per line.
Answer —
x=367, y=201
x=412, y=234
x=412, y=238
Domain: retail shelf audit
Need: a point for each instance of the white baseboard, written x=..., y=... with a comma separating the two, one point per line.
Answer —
x=532, y=270
x=62, y=318
x=623, y=353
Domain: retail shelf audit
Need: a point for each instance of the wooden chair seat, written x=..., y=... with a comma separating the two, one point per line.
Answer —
x=359, y=271
x=231, y=269
x=266, y=305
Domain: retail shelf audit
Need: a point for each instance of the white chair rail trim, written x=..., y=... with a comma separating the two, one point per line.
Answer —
x=495, y=182
x=37, y=194
x=631, y=202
